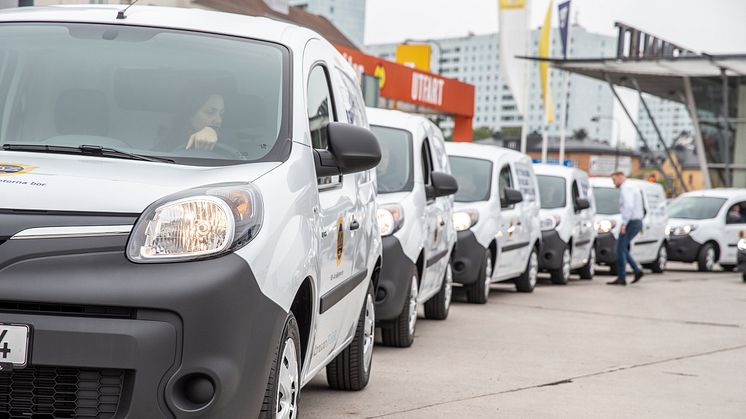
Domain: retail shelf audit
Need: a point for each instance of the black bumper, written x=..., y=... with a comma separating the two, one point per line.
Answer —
x=742, y=260
x=606, y=248
x=393, y=280
x=552, y=248
x=682, y=249
x=467, y=258
x=156, y=324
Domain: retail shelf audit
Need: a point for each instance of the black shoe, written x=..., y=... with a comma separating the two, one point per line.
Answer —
x=638, y=276
x=619, y=281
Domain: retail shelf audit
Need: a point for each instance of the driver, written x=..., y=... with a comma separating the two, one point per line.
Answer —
x=197, y=124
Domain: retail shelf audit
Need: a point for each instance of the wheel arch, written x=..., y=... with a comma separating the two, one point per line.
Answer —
x=303, y=310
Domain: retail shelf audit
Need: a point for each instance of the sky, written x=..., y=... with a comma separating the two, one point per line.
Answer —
x=712, y=26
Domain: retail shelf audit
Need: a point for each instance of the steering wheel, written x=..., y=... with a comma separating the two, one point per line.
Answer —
x=228, y=151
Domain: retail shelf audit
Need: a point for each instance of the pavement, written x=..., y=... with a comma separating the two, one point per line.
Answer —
x=671, y=346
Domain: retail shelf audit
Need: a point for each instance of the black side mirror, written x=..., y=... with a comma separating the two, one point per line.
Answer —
x=581, y=204
x=511, y=197
x=351, y=149
x=443, y=184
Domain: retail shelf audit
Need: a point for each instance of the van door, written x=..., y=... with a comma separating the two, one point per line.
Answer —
x=583, y=223
x=435, y=249
x=510, y=226
x=735, y=229
x=645, y=246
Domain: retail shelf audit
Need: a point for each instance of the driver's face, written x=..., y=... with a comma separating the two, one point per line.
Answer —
x=210, y=114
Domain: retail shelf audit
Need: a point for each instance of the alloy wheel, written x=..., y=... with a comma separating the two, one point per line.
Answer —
x=288, y=382
x=369, y=332
x=412, y=305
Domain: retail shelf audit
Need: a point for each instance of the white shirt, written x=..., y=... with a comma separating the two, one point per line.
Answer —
x=630, y=203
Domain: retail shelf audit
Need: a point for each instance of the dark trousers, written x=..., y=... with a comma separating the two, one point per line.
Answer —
x=622, y=249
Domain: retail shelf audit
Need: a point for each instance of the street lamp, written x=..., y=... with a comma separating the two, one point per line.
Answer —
x=598, y=118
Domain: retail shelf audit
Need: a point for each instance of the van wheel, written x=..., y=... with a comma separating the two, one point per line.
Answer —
x=706, y=258
x=587, y=271
x=743, y=276
x=527, y=281
x=350, y=370
x=436, y=308
x=479, y=292
x=562, y=275
x=400, y=331
x=283, y=386
x=659, y=266
x=728, y=268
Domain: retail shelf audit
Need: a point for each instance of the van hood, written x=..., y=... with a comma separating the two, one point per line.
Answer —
x=59, y=182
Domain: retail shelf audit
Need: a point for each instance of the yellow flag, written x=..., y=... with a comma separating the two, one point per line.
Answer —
x=544, y=52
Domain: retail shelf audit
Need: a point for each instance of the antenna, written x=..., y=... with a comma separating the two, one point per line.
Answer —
x=120, y=14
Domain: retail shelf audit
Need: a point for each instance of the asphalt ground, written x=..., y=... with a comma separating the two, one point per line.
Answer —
x=671, y=346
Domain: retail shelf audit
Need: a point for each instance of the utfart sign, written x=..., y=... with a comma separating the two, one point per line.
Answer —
x=405, y=84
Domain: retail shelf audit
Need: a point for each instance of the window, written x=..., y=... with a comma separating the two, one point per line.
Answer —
x=352, y=108
x=736, y=214
x=395, y=170
x=695, y=207
x=551, y=191
x=427, y=162
x=505, y=181
x=320, y=110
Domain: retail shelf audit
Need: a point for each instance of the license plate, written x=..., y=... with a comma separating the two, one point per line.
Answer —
x=14, y=344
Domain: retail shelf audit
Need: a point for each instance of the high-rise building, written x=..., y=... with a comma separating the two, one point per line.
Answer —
x=348, y=16
x=671, y=118
x=475, y=59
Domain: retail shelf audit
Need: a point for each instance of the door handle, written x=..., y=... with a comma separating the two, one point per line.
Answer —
x=442, y=223
x=354, y=225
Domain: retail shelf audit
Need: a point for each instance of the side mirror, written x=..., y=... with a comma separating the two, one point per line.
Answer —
x=581, y=204
x=443, y=184
x=511, y=197
x=351, y=149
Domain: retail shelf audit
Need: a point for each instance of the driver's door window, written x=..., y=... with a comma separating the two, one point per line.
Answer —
x=320, y=113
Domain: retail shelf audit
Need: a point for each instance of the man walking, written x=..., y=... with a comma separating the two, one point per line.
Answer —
x=630, y=205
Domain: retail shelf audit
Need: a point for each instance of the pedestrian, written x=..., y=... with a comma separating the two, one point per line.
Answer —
x=630, y=206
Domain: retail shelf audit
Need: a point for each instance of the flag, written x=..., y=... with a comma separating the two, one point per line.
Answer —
x=514, y=41
x=563, y=12
x=544, y=52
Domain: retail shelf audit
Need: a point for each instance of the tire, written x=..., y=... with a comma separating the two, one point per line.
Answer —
x=479, y=292
x=659, y=266
x=400, y=331
x=706, y=258
x=562, y=275
x=350, y=370
x=437, y=307
x=527, y=281
x=587, y=271
x=281, y=400
x=728, y=268
x=743, y=276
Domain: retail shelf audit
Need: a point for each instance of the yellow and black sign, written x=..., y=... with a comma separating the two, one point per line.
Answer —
x=9, y=169
x=340, y=239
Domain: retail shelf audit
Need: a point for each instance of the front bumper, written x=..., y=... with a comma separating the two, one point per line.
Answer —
x=682, y=248
x=606, y=248
x=393, y=280
x=159, y=325
x=467, y=258
x=552, y=248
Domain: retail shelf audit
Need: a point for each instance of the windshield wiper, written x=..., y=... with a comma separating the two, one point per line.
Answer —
x=88, y=150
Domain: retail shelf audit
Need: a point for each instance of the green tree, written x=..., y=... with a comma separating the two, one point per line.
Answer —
x=481, y=133
x=580, y=134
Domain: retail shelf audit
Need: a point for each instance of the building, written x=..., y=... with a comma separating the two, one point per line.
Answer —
x=671, y=118
x=475, y=59
x=348, y=16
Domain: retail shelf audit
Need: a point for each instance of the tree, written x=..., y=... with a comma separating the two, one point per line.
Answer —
x=580, y=134
x=481, y=133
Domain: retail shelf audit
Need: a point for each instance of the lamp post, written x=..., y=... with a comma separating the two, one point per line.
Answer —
x=598, y=118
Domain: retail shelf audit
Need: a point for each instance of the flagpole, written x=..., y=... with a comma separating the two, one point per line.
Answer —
x=524, y=126
x=545, y=125
x=563, y=122
x=564, y=14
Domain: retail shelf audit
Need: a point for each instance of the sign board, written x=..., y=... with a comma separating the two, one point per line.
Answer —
x=606, y=165
x=414, y=56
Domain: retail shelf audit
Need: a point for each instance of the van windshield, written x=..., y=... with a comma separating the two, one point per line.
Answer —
x=552, y=191
x=192, y=98
x=607, y=200
x=695, y=207
x=474, y=178
x=394, y=172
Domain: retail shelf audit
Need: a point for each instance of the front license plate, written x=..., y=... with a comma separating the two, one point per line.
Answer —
x=14, y=344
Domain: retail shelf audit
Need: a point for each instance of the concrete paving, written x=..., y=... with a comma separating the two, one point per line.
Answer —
x=672, y=346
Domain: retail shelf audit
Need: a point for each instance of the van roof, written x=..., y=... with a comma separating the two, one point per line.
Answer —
x=556, y=170
x=719, y=193
x=163, y=17
x=606, y=182
x=397, y=119
x=483, y=151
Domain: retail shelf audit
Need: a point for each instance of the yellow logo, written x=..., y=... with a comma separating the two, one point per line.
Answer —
x=9, y=169
x=340, y=239
x=512, y=4
x=380, y=72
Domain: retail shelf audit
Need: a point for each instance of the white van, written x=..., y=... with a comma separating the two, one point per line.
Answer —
x=649, y=247
x=415, y=207
x=705, y=226
x=496, y=217
x=567, y=211
x=167, y=250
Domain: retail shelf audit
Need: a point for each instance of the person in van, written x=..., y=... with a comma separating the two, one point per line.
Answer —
x=196, y=125
x=630, y=206
x=735, y=214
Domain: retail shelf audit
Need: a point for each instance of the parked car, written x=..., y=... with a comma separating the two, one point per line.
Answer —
x=496, y=217
x=649, y=247
x=567, y=211
x=415, y=207
x=201, y=271
x=705, y=226
x=742, y=258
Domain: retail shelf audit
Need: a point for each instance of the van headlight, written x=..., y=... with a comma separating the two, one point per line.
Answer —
x=198, y=223
x=681, y=230
x=742, y=245
x=390, y=219
x=604, y=226
x=550, y=223
x=464, y=220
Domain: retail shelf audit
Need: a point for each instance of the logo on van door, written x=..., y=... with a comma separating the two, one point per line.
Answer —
x=340, y=239
x=8, y=169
